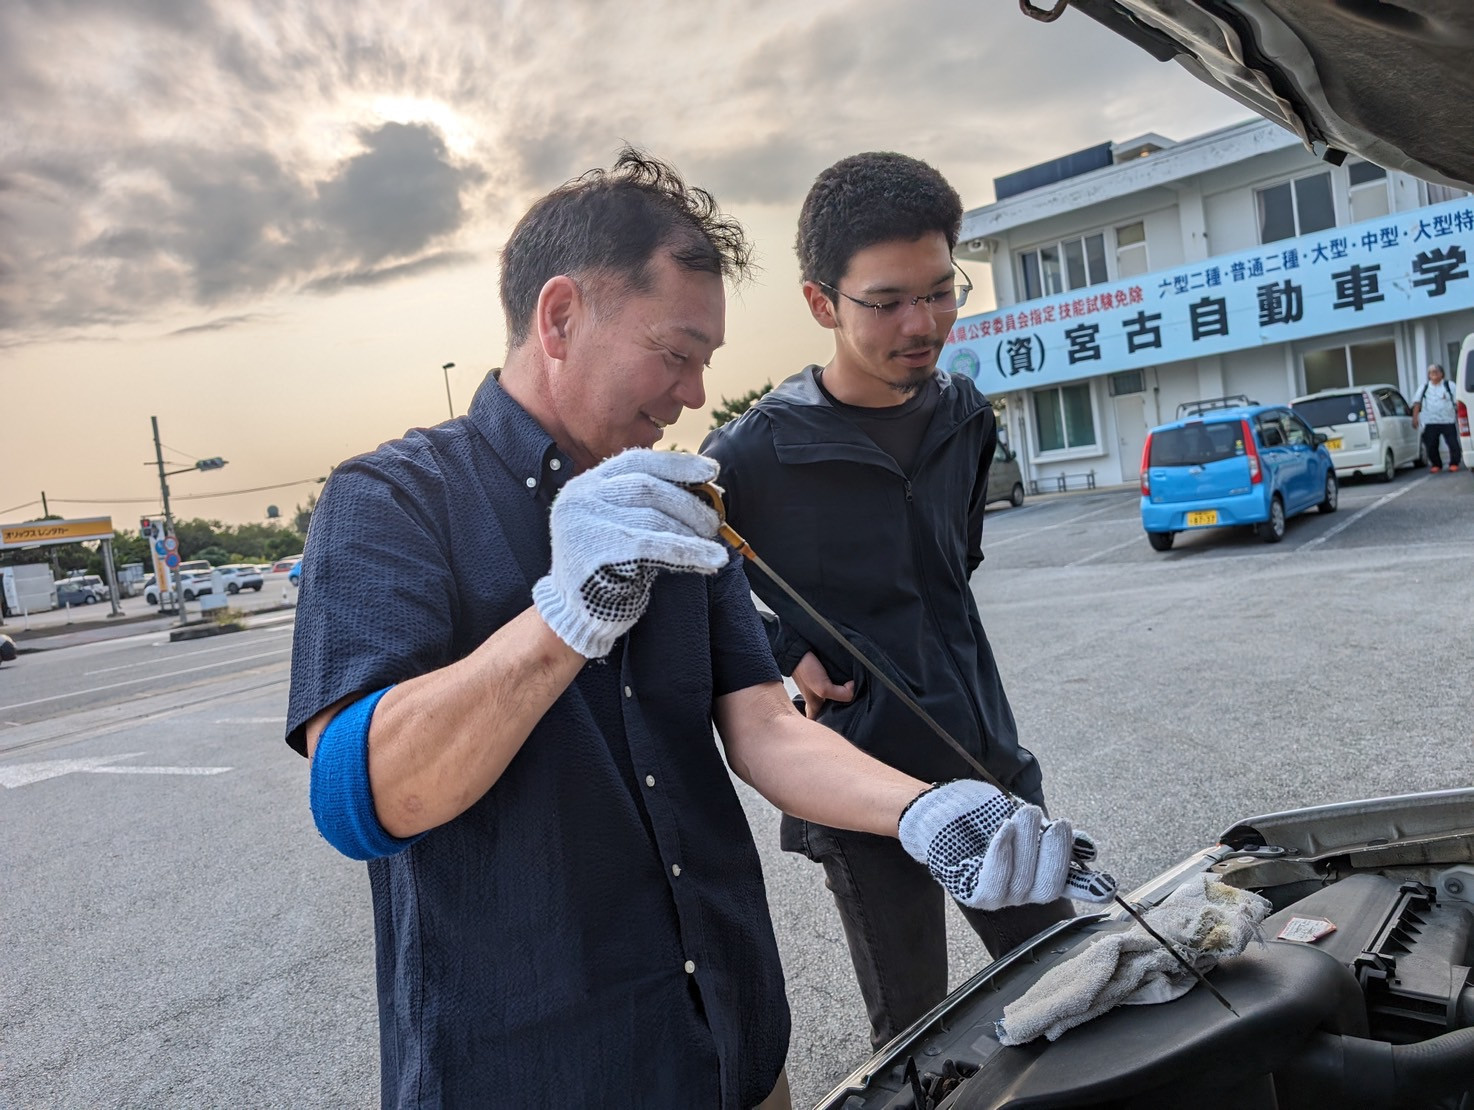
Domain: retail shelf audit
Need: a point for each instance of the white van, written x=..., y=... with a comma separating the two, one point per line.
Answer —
x=1463, y=378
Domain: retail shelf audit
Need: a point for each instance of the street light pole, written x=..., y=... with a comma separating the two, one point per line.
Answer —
x=168, y=522
x=446, y=369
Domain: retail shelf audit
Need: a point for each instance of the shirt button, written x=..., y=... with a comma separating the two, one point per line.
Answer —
x=555, y=464
x=690, y=967
x=649, y=780
x=675, y=869
x=532, y=483
x=628, y=692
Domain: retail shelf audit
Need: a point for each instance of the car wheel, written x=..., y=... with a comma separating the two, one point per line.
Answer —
x=188, y=595
x=1161, y=541
x=233, y=588
x=1016, y=495
x=1422, y=459
x=1273, y=529
x=1333, y=491
x=88, y=599
x=1389, y=468
x=256, y=586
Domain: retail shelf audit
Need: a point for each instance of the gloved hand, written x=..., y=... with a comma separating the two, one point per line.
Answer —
x=989, y=849
x=614, y=528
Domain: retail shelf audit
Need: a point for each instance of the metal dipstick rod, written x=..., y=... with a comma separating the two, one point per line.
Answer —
x=712, y=494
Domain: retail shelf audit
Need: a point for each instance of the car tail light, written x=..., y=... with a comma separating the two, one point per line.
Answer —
x=1146, y=458
x=1463, y=414
x=1371, y=407
x=1256, y=474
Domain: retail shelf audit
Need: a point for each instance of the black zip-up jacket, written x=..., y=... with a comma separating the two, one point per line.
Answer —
x=886, y=559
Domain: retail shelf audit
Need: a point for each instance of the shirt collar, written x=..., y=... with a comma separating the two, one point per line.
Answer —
x=519, y=441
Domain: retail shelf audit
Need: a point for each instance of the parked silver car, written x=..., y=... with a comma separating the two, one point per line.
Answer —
x=1005, y=478
x=1368, y=429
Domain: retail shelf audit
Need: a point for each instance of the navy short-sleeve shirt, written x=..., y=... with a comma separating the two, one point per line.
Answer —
x=593, y=931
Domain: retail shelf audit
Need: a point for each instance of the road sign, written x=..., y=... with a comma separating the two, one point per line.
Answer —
x=159, y=546
x=171, y=544
x=171, y=560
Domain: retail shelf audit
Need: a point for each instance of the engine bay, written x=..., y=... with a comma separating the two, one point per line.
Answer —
x=1360, y=995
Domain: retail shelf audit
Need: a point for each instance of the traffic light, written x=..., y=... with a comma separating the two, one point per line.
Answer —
x=210, y=464
x=146, y=528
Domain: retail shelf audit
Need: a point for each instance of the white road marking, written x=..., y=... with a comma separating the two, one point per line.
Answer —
x=989, y=545
x=152, y=662
x=250, y=720
x=150, y=678
x=158, y=770
x=1104, y=551
x=23, y=774
x=1354, y=517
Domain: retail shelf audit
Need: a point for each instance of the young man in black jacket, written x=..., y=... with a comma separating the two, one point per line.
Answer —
x=862, y=482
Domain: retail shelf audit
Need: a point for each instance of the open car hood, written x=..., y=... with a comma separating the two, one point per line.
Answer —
x=1389, y=80
x=1334, y=1023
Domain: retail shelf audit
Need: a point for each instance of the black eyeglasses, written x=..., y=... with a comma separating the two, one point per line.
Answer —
x=943, y=300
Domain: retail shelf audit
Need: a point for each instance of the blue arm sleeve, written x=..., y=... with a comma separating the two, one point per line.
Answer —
x=342, y=804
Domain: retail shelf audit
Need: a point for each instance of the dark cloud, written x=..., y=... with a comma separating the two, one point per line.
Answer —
x=191, y=225
x=331, y=283
x=220, y=323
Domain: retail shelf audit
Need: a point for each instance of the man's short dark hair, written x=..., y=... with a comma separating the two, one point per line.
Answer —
x=867, y=199
x=606, y=226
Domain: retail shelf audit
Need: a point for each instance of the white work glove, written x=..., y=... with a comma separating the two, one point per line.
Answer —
x=989, y=849
x=614, y=528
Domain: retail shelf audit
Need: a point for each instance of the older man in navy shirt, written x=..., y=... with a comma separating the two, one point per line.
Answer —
x=515, y=728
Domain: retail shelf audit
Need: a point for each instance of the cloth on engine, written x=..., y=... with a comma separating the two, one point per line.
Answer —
x=1206, y=919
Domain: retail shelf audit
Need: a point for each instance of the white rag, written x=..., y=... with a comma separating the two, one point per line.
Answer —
x=1207, y=920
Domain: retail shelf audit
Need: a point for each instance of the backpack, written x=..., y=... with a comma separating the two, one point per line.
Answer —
x=1423, y=393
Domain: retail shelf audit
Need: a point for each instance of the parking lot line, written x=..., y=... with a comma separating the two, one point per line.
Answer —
x=989, y=545
x=1354, y=517
x=1103, y=551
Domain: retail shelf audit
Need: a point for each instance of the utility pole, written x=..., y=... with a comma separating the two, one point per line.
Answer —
x=168, y=520
x=446, y=369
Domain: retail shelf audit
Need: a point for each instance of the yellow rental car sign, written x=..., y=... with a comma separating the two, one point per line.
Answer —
x=56, y=531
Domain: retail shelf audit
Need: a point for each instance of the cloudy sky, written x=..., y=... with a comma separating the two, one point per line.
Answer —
x=269, y=224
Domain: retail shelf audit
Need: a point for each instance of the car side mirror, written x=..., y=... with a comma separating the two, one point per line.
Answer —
x=1320, y=438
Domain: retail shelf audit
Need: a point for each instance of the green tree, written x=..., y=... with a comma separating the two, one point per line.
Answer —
x=216, y=555
x=303, y=517
x=731, y=410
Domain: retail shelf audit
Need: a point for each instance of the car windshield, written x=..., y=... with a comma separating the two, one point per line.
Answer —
x=1322, y=412
x=1196, y=444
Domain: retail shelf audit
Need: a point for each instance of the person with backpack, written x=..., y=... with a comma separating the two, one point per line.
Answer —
x=1433, y=411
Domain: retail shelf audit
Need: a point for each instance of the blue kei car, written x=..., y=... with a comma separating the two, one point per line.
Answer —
x=1231, y=461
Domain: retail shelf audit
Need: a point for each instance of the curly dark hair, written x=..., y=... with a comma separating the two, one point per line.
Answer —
x=607, y=225
x=867, y=199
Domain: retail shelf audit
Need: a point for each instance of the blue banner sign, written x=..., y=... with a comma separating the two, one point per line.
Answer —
x=1394, y=268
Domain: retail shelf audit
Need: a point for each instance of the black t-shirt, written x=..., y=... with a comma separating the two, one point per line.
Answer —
x=896, y=429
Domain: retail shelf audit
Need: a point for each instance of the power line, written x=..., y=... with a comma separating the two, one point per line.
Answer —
x=18, y=508
x=184, y=497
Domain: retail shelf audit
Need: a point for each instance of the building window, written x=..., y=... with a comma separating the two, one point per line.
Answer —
x=1127, y=381
x=1064, y=417
x=1063, y=266
x=1130, y=250
x=1294, y=208
x=1359, y=364
x=1368, y=191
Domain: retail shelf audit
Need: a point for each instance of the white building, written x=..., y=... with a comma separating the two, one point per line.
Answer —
x=1133, y=277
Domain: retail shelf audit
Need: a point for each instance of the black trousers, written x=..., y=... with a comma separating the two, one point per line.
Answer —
x=894, y=918
x=1450, y=435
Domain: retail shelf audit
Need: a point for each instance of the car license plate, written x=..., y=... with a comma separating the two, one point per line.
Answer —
x=1202, y=517
x=1333, y=445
